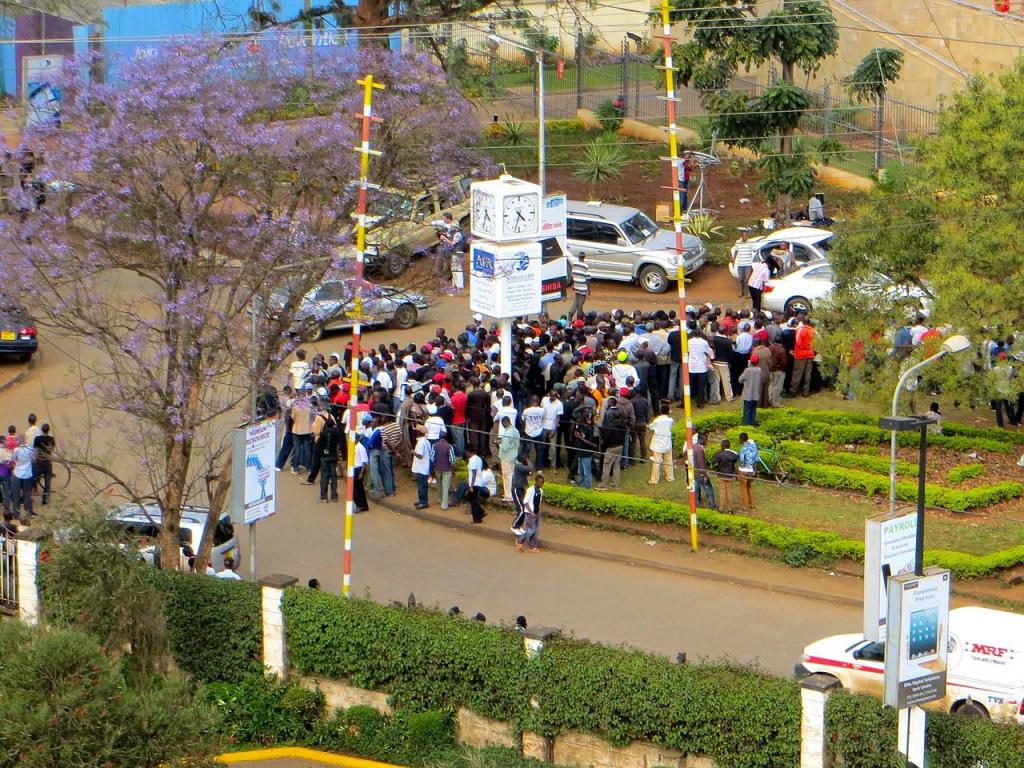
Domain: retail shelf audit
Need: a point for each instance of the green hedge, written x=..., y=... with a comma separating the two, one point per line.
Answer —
x=821, y=454
x=862, y=734
x=953, y=429
x=739, y=716
x=213, y=624
x=797, y=546
x=964, y=472
x=419, y=657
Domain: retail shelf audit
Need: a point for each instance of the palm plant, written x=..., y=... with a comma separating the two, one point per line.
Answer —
x=603, y=158
x=870, y=81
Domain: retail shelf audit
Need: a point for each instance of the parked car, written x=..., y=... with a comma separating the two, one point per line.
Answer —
x=623, y=243
x=805, y=243
x=400, y=225
x=985, y=664
x=18, y=334
x=329, y=307
x=145, y=522
x=810, y=285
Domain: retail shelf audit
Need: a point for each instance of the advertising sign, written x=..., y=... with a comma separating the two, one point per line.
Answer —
x=553, y=213
x=40, y=86
x=254, y=478
x=505, y=279
x=888, y=551
x=917, y=638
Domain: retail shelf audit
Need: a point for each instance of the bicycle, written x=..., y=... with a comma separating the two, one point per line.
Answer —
x=773, y=462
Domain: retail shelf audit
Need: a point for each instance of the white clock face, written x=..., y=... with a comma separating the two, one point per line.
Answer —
x=485, y=217
x=519, y=214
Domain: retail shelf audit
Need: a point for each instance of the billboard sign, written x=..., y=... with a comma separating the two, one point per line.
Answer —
x=888, y=551
x=917, y=638
x=505, y=279
x=40, y=85
x=254, y=477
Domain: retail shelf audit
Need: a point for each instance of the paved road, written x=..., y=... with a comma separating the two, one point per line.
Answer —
x=610, y=602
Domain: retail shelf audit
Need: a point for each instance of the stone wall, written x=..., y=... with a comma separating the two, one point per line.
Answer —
x=579, y=750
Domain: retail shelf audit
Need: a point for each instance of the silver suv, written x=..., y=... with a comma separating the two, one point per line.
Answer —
x=622, y=243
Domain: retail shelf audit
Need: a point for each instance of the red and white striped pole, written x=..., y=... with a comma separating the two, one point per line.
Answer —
x=677, y=220
x=357, y=311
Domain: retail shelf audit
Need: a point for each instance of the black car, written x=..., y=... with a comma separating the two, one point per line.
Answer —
x=17, y=332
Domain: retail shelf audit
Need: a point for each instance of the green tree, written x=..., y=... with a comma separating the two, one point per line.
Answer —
x=726, y=37
x=870, y=81
x=63, y=703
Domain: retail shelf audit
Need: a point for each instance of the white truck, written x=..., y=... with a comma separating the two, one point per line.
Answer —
x=985, y=664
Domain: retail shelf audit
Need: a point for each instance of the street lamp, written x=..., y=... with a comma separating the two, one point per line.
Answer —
x=541, y=131
x=951, y=346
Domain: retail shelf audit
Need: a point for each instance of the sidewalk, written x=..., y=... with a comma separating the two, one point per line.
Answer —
x=666, y=548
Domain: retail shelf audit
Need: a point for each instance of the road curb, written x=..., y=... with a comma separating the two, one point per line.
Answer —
x=570, y=549
x=20, y=375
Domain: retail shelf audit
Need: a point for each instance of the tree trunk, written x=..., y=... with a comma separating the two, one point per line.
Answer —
x=786, y=141
x=879, y=129
x=217, y=491
x=369, y=17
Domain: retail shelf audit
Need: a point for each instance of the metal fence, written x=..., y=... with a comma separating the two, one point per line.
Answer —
x=487, y=63
x=8, y=572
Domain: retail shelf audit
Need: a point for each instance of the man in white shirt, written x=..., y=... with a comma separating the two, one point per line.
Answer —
x=229, y=570
x=21, y=480
x=700, y=359
x=33, y=431
x=506, y=409
x=553, y=410
x=421, y=467
x=533, y=429
x=661, y=447
x=743, y=258
x=298, y=370
x=622, y=370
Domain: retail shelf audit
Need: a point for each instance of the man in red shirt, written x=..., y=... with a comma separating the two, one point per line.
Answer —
x=803, y=358
x=458, y=403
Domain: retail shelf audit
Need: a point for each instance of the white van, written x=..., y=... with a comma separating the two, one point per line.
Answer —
x=986, y=664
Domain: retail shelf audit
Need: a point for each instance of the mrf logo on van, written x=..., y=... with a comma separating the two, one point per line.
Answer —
x=989, y=650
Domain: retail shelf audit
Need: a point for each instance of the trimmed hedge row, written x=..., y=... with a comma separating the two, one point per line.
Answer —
x=739, y=716
x=964, y=472
x=820, y=454
x=418, y=657
x=843, y=428
x=213, y=625
x=796, y=545
x=861, y=733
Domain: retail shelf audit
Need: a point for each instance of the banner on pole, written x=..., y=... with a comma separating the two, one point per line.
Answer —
x=254, y=476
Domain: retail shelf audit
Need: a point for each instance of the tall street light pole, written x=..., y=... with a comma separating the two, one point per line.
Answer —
x=951, y=346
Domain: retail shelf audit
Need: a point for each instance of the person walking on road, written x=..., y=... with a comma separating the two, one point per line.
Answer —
x=661, y=447
x=747, y=468
x=528, y=521
x=580, y=284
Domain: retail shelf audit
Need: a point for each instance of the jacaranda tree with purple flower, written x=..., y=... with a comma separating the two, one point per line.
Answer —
x=191, y=200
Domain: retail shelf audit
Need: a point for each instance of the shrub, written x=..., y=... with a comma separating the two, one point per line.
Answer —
x=964, y=472
x=262, y=710
x=402, y=738
x=861, y=732
x=425, y=660
x=609, y=115
x=213, y=624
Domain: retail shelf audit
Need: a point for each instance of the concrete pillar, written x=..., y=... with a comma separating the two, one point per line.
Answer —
x=275, y=650
x=534, y=745
x=814, y=693
x=29, y=607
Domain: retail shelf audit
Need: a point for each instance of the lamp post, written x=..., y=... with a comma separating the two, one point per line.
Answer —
x=951, y=346
x=541, y=130
x=637, y=41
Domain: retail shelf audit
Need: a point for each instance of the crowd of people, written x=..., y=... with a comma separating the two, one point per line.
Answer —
x=591, y=393
x=26, y=466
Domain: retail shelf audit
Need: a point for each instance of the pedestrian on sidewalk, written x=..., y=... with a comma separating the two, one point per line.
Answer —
x=475, y=489
x=508, y=451
x=580, y=272
x=421, y=467
x=528, y=521
x=521, y=471
x=725, y=462
x=661, y=447
x=442, y=462
x=747, y=468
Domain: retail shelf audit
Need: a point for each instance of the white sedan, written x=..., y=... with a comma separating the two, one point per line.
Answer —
x=810, y=285
x=807, y=244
